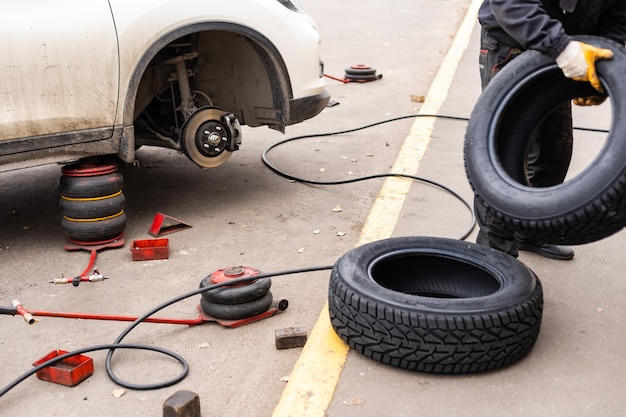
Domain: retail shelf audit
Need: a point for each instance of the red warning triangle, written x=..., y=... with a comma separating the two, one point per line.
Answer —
x=164, y=224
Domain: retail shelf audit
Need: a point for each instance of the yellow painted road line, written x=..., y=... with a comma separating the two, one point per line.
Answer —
x=315, y=375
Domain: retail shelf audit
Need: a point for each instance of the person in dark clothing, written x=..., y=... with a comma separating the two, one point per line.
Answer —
x=508, y=28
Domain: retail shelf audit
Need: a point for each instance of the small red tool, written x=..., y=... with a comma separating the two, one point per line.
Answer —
x=69, y=371
x=358, y=73
x=93, y=248
x=17, y=308
x=150, y=249
x=164, y=224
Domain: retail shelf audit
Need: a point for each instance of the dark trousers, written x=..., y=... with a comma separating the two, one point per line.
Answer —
x=548, y=155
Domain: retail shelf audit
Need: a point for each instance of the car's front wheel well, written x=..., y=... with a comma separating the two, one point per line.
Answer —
x=227, y=66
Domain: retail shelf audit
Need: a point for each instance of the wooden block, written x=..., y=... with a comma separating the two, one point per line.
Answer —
x=182, y=404
x=290, y=337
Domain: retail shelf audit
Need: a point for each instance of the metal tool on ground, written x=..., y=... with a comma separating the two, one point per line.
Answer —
x=290, y=337
x=358, y=73
x=280, y=306
x=182, y=403
x=150, y=249
x=70, y=371
x=238, y=303
x=229, y=305
x=17, y=308
x=164, y=224
x=93, y=248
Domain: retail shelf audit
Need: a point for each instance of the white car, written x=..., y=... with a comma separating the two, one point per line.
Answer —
x=91, y=78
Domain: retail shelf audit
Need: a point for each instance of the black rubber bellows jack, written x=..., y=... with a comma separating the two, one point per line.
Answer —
x=235, y=302
x=92, y=203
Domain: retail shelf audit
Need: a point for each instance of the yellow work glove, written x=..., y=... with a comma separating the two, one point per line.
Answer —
x=578, y=62
x=589, y=101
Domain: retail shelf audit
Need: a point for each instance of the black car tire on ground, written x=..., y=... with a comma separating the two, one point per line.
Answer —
x=586, y=208
x=435, y=305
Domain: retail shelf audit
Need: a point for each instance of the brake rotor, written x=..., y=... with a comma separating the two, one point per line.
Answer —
x=210, y=136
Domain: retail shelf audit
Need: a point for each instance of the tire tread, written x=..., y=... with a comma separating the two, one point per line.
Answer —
x=435, y=343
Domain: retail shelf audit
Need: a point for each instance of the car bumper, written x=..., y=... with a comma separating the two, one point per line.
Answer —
x=307, y=107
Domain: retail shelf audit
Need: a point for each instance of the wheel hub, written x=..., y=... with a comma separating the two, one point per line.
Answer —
x=209, y=136
x=211, y=139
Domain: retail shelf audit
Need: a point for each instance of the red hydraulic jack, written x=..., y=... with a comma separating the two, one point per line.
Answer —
x=220, y=276
x=29, y=316
x=93, y=248
x=358, y=73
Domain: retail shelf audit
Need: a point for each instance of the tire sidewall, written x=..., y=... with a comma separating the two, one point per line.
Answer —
x=518, y=201
x=517, y=282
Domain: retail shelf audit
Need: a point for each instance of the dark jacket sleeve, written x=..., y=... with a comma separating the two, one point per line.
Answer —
x=527, y=23
x=612, y=23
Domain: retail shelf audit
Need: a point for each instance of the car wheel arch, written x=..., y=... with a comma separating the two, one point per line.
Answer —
x=268, y=55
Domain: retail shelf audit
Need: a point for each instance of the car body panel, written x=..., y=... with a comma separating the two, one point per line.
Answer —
x=59, y=68
x=98, y=92
x=145, y=25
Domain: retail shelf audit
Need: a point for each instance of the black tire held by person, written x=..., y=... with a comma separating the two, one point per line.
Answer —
x=94, y=230
x=92, y=208
x=435, y=305
x=236, y=294
x=237, y=311
x=586, y=208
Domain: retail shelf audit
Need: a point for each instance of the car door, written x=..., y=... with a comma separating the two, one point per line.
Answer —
x=59, y=71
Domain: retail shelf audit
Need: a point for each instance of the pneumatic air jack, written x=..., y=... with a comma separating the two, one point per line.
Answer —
x=92, y=203
x=358, y=73
x=228, y=305
x=29, y=316
x=238, y=304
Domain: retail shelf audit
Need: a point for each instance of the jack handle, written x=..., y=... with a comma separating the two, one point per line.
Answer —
x=19, y=309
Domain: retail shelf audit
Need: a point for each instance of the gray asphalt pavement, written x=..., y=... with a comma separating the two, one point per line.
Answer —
x=243, y=214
